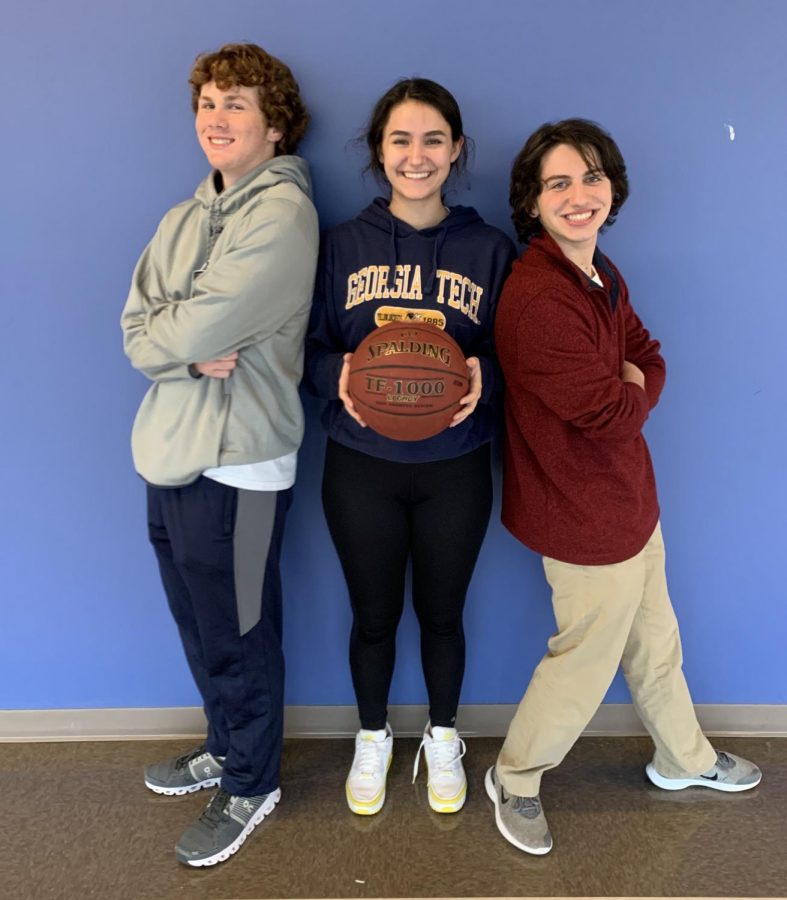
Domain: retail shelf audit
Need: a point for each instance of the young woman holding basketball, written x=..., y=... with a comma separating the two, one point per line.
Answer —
x=408, y=257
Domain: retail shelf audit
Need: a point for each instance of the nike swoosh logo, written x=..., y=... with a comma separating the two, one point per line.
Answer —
x=714, y=777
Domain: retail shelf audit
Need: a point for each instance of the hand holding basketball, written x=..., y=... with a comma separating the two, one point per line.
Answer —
x=470, y=401
x=344, y=395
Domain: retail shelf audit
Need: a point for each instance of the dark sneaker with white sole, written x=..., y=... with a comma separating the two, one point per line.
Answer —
x=730, y=773
x=520, y=820
x=223, y=827
x=185, y=774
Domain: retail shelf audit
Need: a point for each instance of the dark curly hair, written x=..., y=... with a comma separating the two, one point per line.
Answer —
x=247, y=65
x=593, y=144
x=422, y=90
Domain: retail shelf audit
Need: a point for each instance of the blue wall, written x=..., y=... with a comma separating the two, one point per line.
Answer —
x=98, y=143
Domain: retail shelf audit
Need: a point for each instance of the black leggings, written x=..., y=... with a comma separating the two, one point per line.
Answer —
x=381, y=513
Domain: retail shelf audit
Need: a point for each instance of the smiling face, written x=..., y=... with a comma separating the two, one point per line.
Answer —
x=233, y=132
x=416, y=152
x=574, y=202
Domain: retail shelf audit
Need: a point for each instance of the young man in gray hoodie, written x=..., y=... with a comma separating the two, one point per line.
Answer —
x=216, y=317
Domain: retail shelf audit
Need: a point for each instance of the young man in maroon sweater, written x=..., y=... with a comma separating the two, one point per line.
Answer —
x=582, y=375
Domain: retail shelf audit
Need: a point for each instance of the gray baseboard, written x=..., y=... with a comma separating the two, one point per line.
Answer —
x=482, y=720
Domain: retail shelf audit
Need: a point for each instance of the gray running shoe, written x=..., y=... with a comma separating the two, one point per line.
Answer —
x=223, y=827
x=187, y=773
x=731, y=773
x=520, y=820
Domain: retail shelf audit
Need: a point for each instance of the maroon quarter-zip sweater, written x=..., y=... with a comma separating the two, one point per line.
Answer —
x=578, y=481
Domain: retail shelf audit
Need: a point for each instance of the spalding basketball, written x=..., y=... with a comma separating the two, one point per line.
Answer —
x=406, y=380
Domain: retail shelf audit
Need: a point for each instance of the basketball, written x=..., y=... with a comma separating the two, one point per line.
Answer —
x=406, y=380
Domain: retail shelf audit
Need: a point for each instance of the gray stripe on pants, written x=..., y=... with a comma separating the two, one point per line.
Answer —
x=251, y=541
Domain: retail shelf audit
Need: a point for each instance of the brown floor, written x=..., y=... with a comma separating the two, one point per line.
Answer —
x=77, y=822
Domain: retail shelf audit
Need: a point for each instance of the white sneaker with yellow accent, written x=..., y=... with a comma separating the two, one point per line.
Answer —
x=365, y=788
x=447, y=784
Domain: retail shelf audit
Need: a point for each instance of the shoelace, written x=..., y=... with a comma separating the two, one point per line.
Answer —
x=217, y=809
x=182, y=761
x=367, y=759
x=529, y=807
x=445, y=754
x=723, y=761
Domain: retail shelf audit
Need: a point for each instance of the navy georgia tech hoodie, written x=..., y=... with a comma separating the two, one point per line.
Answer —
x=376, y=269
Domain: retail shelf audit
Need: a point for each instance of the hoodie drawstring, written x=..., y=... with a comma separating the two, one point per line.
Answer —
x=437, y=244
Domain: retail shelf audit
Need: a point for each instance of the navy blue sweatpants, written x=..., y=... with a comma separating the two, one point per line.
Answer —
x=218, y=550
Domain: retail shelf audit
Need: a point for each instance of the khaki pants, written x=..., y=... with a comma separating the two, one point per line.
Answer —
x=606, y=616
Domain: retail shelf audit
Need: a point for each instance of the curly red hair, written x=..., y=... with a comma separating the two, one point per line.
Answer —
x=247, y=65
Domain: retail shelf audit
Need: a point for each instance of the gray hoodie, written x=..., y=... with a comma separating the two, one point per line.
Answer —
x=224, y=272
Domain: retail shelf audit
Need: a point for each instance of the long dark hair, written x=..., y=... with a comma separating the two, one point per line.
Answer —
x=422, y=90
